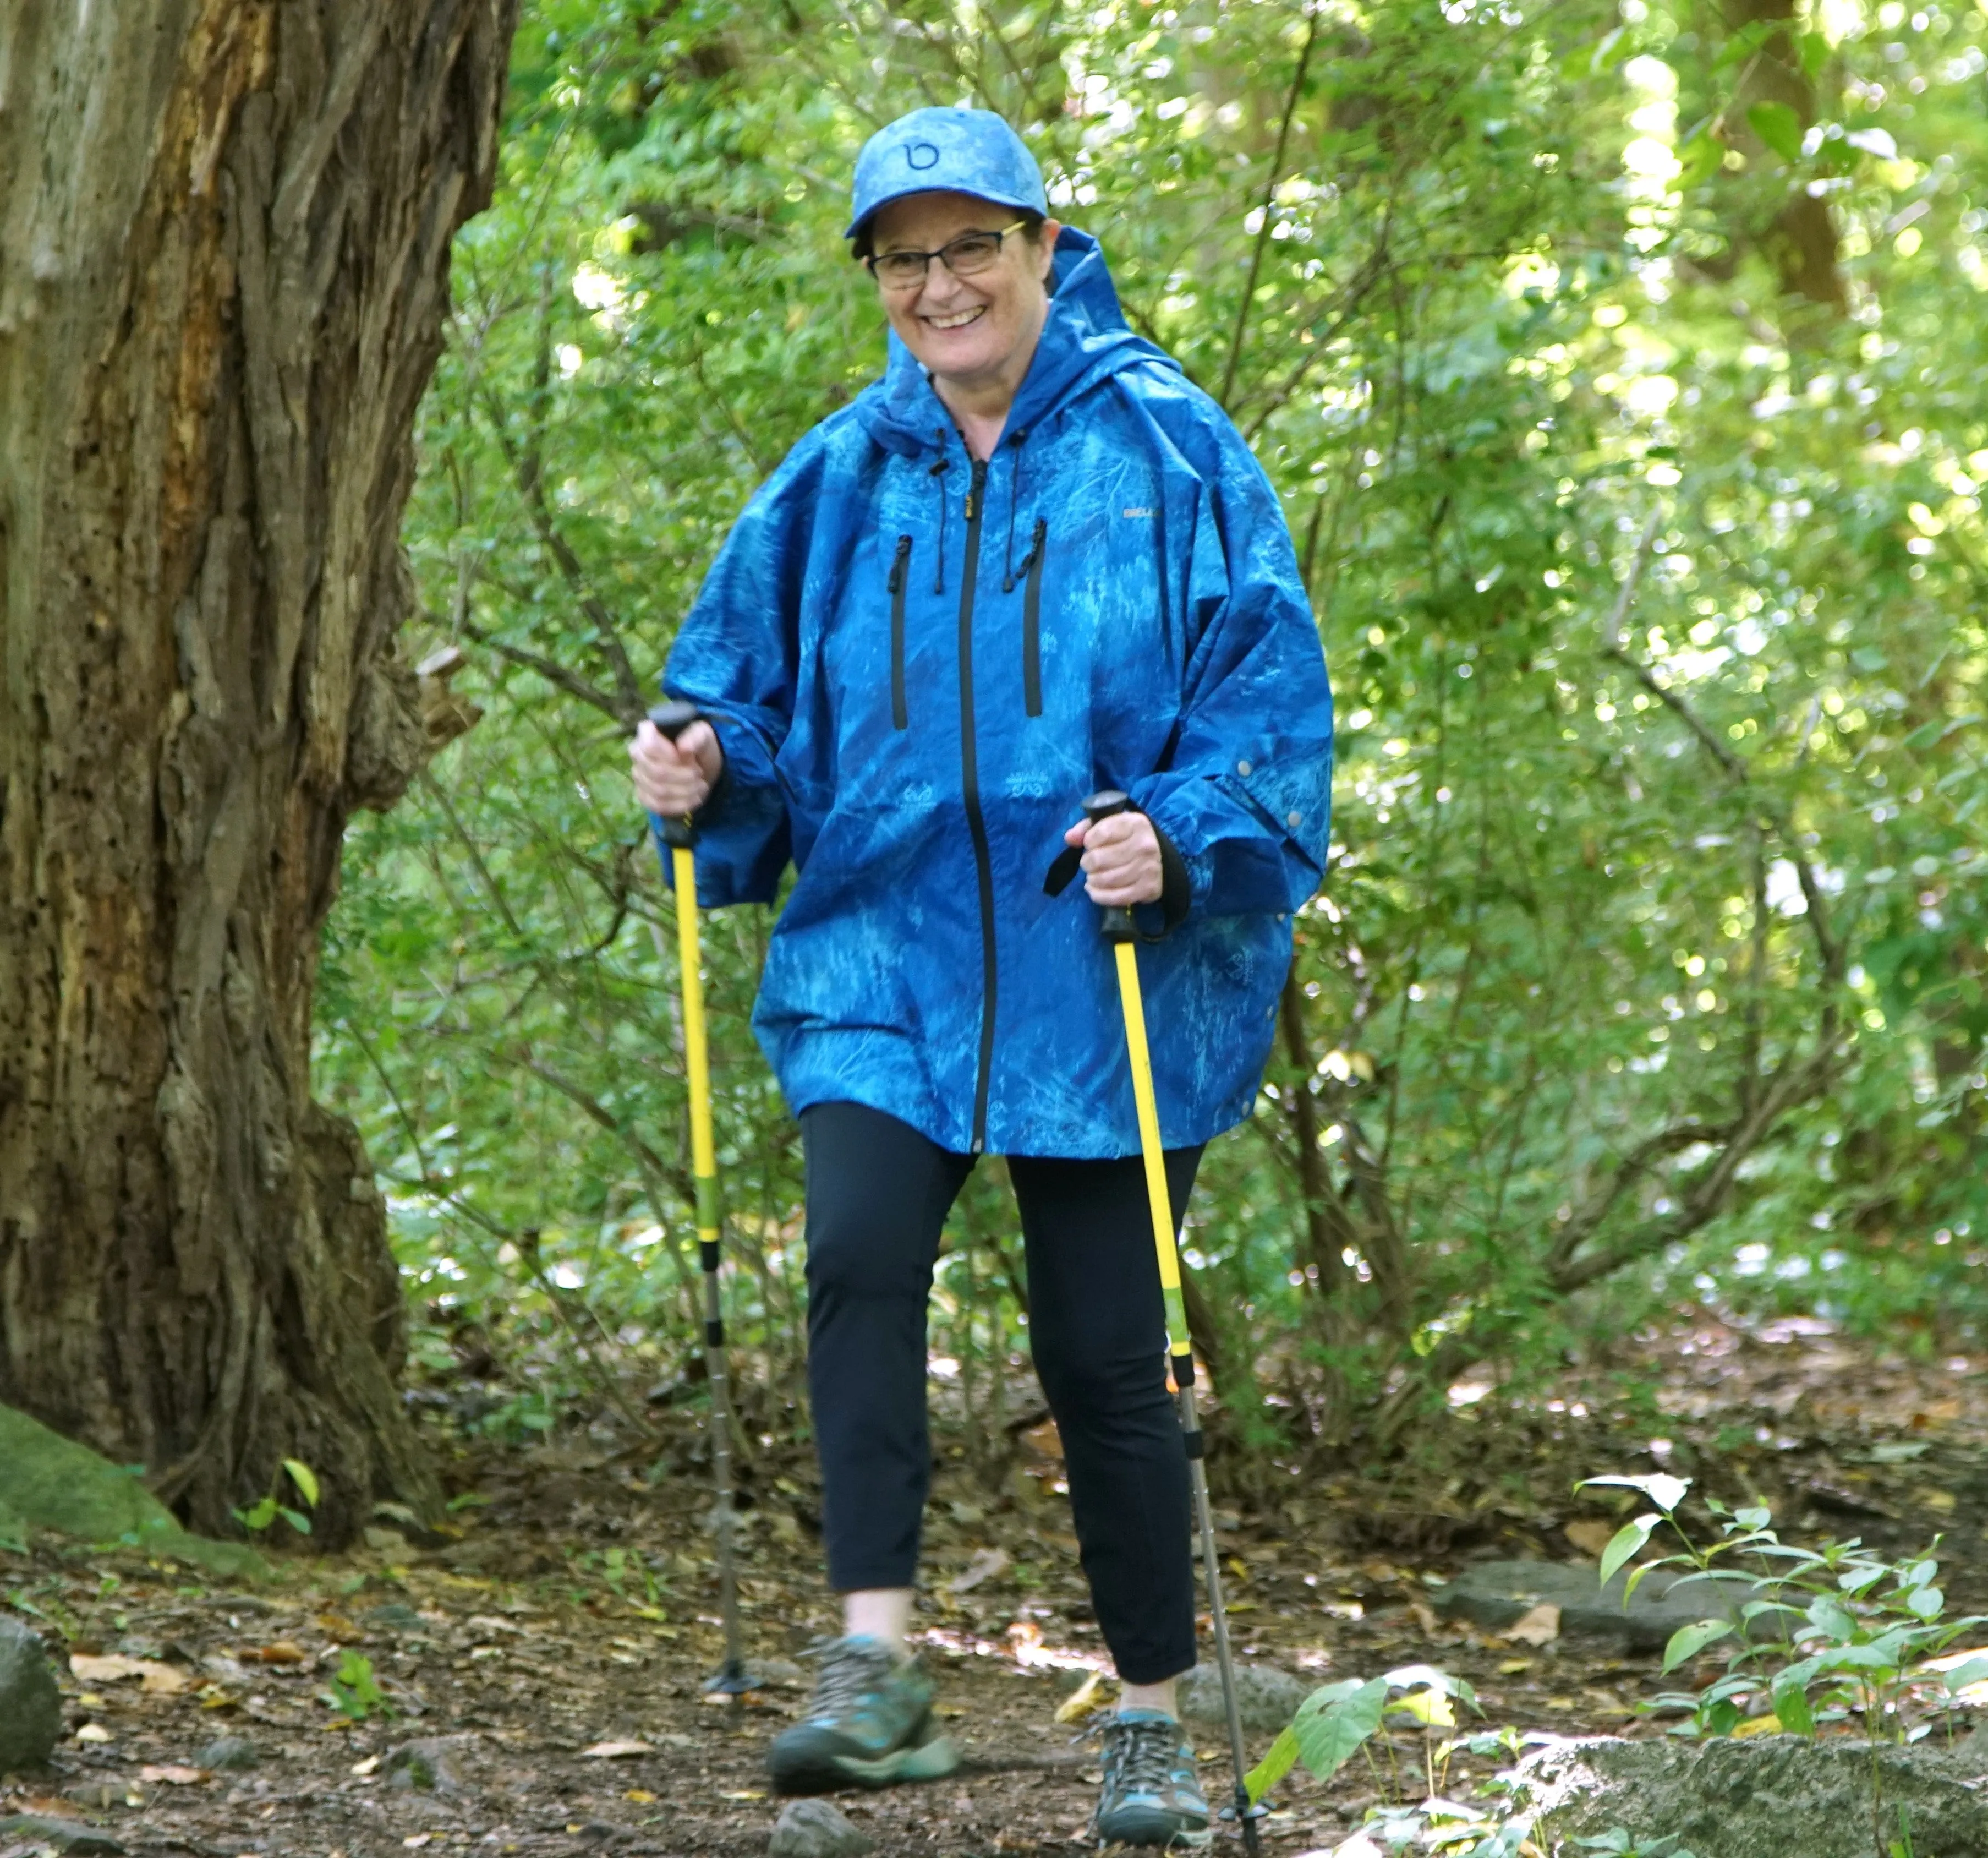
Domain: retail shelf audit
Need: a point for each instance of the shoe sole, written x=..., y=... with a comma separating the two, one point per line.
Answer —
x=928, y=1761
x=1152, y=1837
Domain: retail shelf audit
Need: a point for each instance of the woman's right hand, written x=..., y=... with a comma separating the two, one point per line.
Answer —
x=675, y=778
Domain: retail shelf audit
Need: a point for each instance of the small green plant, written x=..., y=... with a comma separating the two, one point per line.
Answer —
x=1339, y=1721
x=1822, y=1636
x=1616, y=1843
x=355, y=1692
x=1828, y=1635
x=260, y=1515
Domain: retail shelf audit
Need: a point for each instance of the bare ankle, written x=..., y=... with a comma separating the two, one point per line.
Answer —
x=1159, y=1696
x=883, y=1613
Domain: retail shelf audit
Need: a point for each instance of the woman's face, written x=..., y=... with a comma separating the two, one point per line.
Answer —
x=970, y=330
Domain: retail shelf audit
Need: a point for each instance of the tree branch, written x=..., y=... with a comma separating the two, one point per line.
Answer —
x=1269, y=202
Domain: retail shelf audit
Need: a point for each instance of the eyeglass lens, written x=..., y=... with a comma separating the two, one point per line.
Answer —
x=970, y=252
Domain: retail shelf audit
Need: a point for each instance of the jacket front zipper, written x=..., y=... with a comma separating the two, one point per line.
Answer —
x=1031, y=623
x=900, y=572
x=976, y=821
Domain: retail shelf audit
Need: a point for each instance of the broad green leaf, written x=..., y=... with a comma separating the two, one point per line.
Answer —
x=258, y=1515
x=1329, y=1737
x=1627, y=1541
x=1777, y=126
x=1687, y=1641
x=1974, y=1671
x=304, y=1478
x=1277, y=1762
x=1429, y=1707
x=1791, y=1705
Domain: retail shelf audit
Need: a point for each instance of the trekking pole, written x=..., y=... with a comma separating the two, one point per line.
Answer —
x=1123, y=934
x=671, y=720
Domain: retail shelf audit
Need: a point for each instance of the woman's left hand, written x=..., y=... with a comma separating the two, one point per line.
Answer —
x=1121, y=860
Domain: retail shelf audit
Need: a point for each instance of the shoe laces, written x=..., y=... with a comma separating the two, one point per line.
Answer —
x=850, y=1671
x=1142, y=1753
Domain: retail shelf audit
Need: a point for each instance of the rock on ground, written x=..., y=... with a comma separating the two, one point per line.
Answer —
x=1498, y=1594
x=69, y=1835
x=229, y=1753
x=30, y=1703
x=813, y=1829
x=48, y=1482
x=426, y=1766
x=1265, y=1697
x=1770, y=1796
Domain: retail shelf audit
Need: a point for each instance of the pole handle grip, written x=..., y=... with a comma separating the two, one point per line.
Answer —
x=671, y=720
x=1113, y=925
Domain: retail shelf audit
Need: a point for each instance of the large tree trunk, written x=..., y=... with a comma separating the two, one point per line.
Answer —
x=224, y=229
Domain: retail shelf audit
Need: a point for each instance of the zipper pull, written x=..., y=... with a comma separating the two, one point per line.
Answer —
x=974, y=488
x=896, y=584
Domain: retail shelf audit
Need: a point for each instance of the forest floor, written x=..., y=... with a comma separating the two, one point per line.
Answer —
x=545, y=1666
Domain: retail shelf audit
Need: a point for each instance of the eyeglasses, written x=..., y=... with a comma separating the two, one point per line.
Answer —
x=969, y=253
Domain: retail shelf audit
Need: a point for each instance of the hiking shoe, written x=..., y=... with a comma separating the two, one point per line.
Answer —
x=1151, y=1794
x=870, y=1724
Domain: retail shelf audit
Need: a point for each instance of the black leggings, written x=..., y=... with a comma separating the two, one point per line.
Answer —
x=878, y=1195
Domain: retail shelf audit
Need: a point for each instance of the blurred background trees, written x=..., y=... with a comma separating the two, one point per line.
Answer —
x=1623, y=369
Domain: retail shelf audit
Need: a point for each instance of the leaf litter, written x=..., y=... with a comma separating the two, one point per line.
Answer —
x=558, y=1648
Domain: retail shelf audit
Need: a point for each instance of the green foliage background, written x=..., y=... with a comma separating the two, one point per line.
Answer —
x=1623, y=368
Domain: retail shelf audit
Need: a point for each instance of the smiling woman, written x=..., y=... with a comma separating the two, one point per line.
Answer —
x=1032, y=563
x=969, y=299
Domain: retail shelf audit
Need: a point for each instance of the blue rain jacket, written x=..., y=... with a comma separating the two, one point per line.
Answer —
x=919, y=665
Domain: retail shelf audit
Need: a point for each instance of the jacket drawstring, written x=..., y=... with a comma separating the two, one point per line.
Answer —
x=938, y=567
x=1014, y=498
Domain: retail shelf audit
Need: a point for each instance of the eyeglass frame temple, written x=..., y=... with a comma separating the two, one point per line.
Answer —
x=875, y=258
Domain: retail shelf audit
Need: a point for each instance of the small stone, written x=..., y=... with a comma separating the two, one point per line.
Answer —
x=229, y=1753
x=65, y=1835
x=813, y=1829
x=1265, y=1697
x=425, y=1767
x=771, y=1671
x=397, y=1618
x=1495, y=1594
x=30, y=1703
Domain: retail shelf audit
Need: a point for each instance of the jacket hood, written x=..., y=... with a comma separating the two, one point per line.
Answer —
x=1084, y=341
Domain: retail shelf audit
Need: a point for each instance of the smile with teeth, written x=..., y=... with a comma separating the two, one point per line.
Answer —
x=958, y=319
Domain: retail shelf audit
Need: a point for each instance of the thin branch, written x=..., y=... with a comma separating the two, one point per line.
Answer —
x=531, y=489
x=573, y=685
x=1269, y=202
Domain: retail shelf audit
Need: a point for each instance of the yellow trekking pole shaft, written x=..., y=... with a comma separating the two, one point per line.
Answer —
x=1123, y=934
x=1157, y=1194
x=671, y=720
x=697, y=1049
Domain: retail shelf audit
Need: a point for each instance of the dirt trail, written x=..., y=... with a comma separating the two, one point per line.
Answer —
x=538, y=1679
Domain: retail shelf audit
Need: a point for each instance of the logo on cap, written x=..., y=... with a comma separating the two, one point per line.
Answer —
x=921, y=154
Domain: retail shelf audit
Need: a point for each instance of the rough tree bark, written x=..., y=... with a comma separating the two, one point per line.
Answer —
x=224, y=230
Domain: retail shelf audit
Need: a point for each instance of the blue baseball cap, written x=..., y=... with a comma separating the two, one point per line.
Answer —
x=946, y=150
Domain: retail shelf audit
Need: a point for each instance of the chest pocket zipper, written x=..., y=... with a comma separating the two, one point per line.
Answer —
x=900, y=572
x=1031, y=623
